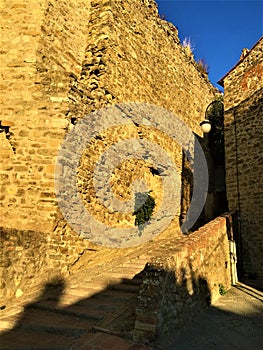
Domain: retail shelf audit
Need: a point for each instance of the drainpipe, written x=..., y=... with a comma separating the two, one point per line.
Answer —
x=239, y=233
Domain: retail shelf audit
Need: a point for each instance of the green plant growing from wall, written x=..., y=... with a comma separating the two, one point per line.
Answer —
x=145, y=205
x=222, y=289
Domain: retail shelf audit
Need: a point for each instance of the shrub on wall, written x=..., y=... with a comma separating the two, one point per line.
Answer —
x=145, y=205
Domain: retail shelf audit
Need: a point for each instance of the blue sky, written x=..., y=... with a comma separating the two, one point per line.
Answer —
x=218, y=29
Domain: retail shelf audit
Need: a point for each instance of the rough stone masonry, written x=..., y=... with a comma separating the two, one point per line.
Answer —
x=244, y=154
x=61, y=60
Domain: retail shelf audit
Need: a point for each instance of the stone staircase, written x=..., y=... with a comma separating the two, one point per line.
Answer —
x=94, y=311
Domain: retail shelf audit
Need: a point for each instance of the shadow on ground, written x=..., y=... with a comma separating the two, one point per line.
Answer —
x=109, y=318
x=45, y=324
x=105, y=320
x=235, y=321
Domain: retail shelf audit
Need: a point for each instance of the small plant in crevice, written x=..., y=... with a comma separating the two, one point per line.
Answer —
x=144, y=206
x=222, y=289
x=188, y=45
x=203, y=66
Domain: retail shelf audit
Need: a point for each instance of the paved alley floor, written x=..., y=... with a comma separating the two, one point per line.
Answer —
x=235, y=321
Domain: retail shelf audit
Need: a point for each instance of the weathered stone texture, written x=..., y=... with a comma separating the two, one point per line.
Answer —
x=61, y=60
x=181, y=282
x=245, y=78
x=244, y=153
x=42, y=46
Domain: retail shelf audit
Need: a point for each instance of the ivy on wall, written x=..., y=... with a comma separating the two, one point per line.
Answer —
x=145, y=204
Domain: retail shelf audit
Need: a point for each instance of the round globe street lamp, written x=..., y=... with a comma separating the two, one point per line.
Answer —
x=206, y=124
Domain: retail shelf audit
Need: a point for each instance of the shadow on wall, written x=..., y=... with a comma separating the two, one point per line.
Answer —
x=168, y=300
x=186, y=188
x=132, y=310
x=216, y=201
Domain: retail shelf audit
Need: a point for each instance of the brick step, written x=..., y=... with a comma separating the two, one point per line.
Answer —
x=84, y=291
x=105, y=296
x=106, y=301
x=134, y=263
x=128, y=271
x=21, y=339
x=84, y=308
x=114, y=295
x=127, y=334
x=51, y=322
x=102, y=280
x=12, y=310
x=117, y=276
x=109, y=305
x=132, y=288
x=73, y=310
x=101, y=340
x=9, y=321
x=134, y=281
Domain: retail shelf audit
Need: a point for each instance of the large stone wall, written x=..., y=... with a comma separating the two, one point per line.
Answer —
x=60, y=61
x=244, y=154
x=43, y=45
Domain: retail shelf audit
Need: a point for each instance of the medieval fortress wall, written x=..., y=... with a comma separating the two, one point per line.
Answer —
x=60, y=61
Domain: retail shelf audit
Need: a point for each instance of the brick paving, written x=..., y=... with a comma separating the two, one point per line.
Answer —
x=103, y=341
x=99, y=293
x=102, y=296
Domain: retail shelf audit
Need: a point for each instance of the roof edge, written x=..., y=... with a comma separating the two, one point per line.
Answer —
x=221, y=81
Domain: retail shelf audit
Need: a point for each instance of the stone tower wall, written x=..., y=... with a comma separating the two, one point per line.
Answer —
x=60, y=61
x=43, y=45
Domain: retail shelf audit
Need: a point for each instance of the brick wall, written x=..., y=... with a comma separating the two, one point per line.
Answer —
x=183, y=281
x=244, y=153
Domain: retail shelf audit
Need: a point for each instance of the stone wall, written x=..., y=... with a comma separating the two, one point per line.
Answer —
x=43, y=45
x=183, y=281
x=244, y=154
x=60, y=61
